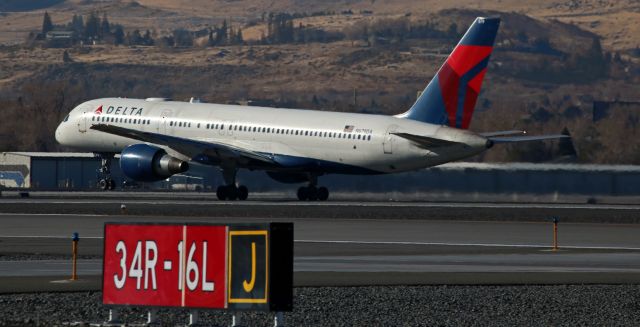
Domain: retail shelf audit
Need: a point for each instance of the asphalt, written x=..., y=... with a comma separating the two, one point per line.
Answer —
x=202, y=206
x=374, y=248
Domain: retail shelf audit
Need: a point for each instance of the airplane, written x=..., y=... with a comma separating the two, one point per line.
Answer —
x=157, y=138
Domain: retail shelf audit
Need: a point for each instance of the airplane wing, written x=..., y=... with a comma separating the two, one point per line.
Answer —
x=526, y=138
x=502, y=133
x=425, y=141
x=187, y=147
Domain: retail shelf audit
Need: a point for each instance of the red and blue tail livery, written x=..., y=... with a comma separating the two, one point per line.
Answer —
x=450, y=97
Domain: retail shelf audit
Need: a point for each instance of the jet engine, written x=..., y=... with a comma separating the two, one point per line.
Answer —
x=147, y=163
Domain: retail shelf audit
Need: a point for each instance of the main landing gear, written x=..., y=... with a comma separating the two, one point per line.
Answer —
x=106, y=183
x=312, y=192
x=231, y=191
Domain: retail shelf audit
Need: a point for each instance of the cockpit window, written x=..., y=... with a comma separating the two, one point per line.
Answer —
x=66, y=118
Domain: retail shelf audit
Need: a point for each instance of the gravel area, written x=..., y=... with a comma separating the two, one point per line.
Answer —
x=43, y=256
x=570, y=305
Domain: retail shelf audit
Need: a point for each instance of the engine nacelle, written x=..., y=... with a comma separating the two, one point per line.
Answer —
x=147, y=163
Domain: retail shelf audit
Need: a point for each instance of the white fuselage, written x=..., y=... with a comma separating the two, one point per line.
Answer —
x=361, y=143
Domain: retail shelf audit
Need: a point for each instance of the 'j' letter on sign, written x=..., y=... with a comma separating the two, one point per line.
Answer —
x=260, y=275
x=248, y=266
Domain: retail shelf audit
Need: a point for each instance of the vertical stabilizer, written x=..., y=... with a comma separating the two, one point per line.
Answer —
x=450, y=97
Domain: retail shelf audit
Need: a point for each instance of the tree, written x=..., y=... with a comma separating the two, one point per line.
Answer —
x=118, y=35
x=453, y=30
x=239, y=37
x=92, y=26
x=66, y=57
x=222, y=33
x=182, y=38
x=47, y=25
x=134, y=38
x=105, y=27
x=77, y=24
x=147, y=39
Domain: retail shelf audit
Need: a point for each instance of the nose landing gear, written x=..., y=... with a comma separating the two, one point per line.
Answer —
x=105, y=183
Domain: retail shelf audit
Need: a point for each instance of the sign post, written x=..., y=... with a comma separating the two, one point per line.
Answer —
x=199, y=266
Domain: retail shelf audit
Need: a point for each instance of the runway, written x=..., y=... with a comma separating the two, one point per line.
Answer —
x=203, y=205
x=356, y=251
x=476, y=263
x=385, y=232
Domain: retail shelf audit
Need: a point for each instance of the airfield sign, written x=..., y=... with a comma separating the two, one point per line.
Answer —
x=240, y=267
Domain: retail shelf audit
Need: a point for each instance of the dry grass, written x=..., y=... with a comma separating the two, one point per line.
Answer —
x=615, y=21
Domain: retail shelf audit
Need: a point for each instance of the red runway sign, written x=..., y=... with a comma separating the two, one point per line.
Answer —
x=199, y=266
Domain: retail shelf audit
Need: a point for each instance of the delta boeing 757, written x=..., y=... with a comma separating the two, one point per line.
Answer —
x=157, y=138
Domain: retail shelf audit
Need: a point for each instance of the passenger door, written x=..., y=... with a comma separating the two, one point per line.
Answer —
x=163, y=124
x=82, y=123
x=387, y=142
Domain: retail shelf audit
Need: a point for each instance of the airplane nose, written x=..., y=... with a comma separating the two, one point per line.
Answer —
x=60, y=134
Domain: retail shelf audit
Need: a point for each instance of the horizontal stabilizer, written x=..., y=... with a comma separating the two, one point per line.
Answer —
x=502, y=133
x=526, y=138
x=425, y=141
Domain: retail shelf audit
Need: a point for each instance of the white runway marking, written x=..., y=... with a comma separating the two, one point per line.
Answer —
x=48, y=236
x=502, y=245
x=470, y=244
x=465, y=205
x=52, y=214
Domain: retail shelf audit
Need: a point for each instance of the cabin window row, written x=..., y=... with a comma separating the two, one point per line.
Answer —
x=181, y=124
x=286, y=131
x=104, y=119
x=241, y=128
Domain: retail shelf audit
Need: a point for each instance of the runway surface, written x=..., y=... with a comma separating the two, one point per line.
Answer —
x=202, y=206
x=355, y=251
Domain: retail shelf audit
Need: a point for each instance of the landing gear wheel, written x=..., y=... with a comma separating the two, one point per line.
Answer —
x=221, y=192
x=103, y=184
x=312, y=193
x=112, y=184
x=243, y=192
x=232, y=192
x=303, y=194
x=323, y=193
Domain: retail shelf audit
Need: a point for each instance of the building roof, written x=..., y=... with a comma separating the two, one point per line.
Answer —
x=539, y=166
x=51, y=154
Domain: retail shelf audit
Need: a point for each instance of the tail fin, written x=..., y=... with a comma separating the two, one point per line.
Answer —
x=450, y=97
